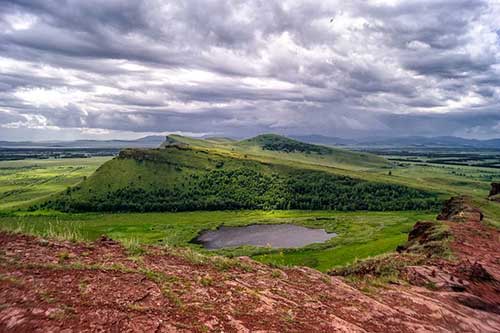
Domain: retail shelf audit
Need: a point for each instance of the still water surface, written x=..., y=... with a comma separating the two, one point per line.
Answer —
x=274, y=235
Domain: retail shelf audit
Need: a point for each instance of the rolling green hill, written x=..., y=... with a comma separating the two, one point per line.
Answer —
x=191, y=174
x=276, y=148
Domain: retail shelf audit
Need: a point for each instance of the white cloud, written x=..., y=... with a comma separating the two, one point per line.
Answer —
x=55, y=97
x=31, y=121
x=20, y=21
x=418, y=45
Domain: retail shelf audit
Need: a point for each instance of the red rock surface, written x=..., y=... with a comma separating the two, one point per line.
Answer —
x=49, y=286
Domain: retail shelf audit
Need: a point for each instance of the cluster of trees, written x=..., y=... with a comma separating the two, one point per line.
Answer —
x=245, y=188
x=279, y=143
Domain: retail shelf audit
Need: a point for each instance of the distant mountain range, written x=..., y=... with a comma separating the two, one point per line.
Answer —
x=371, y=142
x=403, y=142
x=152, y=141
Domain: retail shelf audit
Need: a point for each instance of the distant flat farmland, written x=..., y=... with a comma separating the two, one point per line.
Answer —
x=24, y=181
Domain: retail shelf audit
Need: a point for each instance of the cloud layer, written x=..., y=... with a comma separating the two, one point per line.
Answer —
x=342, y=68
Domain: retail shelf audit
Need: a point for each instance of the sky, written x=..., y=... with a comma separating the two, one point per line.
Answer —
x=72, y=69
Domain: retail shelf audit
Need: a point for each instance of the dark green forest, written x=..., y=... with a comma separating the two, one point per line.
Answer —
x=245, y=188
x=280, y=143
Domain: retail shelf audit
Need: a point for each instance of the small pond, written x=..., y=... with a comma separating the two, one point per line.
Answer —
x=274, y=235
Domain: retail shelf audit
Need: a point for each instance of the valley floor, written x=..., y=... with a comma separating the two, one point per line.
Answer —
x=50, y=285
x=360, y=234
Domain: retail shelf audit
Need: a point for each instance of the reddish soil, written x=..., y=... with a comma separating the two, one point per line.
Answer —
x=49, y=286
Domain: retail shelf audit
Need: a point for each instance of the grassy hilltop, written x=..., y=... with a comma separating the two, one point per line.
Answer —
x=277, y=148
x=266, y=172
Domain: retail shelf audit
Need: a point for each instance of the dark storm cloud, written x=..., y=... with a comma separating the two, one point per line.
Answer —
x=244, y=67
x=459, y=123
x=456, y=66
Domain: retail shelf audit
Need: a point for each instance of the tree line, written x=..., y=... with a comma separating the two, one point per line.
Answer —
x=246, y=188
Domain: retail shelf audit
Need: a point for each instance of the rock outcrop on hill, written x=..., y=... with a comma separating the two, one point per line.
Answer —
x=172, y=142
x=53, y=286
x=495, y=191
x=426, y=237
x=459, y=209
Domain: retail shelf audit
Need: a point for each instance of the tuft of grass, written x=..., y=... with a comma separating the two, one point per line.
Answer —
x=289, y=316
x=53, y=229
x=10, y=279
x=136, y=307
x=83, y=287
x=224, y=264
x=63, y=256
x=380, y=270
x=206, y=280
x=276, y=274
x=188, y=254
x=62, y=312
x=47, y=297
x=133, y=247
x=221, y=263
x=431, y=285
x=171, y=295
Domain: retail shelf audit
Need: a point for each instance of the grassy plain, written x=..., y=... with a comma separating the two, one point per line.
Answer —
x=450, y=180
x=361, y=234
x=25, y=181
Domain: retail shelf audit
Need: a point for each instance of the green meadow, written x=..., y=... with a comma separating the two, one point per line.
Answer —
x=24, y=181
x=361, y=234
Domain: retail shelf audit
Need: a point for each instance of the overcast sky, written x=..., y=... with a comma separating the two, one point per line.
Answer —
x=123, y=69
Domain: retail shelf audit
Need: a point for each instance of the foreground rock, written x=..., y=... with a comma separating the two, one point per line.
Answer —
x=55, y=286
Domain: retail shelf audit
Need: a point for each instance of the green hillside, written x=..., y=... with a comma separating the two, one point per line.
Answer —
x=182, y=176
x=280, y=143
x=280, y=149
